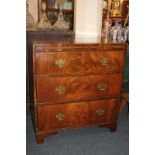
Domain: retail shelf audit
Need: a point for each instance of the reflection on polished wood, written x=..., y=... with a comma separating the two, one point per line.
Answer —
x=84, y=90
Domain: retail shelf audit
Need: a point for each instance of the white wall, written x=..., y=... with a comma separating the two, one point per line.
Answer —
x=88, y=18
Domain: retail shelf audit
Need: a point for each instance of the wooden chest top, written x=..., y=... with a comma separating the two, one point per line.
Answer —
x=70, y=43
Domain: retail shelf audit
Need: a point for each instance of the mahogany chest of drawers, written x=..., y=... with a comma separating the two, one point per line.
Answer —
x=74, y=85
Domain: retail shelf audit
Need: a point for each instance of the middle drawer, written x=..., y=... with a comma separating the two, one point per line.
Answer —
x=67, y=89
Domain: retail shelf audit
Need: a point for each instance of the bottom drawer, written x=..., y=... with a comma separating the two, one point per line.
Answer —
x=75, y=114
x=102, y=111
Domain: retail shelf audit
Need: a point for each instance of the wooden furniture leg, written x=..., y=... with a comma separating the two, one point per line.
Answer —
x=113, y=127
x=40, y=137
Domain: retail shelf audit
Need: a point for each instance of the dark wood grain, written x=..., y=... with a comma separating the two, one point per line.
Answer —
x=75, y=114
x=77, y=88
x=83, y=91
x=78, y=62
x=38, y=35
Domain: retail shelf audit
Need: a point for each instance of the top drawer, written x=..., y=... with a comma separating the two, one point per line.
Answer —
x=74, y=62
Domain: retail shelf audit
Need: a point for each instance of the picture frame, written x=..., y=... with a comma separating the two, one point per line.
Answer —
x=116, y=8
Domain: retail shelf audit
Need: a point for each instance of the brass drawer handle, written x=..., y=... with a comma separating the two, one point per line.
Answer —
x=60, y=89
x=100, y=112
x=102, y=86
x=104, y=61
x=60, y=117
x=60, y=63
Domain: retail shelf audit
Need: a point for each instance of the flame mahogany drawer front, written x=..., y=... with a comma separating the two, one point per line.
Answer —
x=74, y=85
x=66, y=89
x=78, y=62
x=75, y=114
